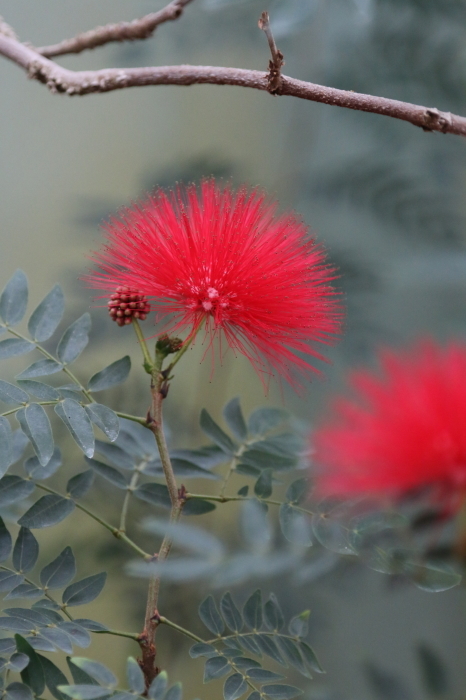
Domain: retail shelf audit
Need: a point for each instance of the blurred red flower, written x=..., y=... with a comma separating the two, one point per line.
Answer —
x=227, y=261
x=403, y=431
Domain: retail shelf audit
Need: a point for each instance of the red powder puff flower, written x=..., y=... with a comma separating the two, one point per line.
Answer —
x=226, y=261
x=402, y=432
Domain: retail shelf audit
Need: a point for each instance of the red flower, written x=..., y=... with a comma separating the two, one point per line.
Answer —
x=227, y=261
x=403, y=431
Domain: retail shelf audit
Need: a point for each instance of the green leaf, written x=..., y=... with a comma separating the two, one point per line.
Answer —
x=244, y=663
x=264, y=460
x=26, y=551
x=33, y=674
x=91, y=625
x=255, y=525
x=254, y=696
x=58, y=638
x=36, y=471
x=40, y=368
x=432, y=577
x=230, y=613
x=310, y=658
x=202, y=649
x=41, y=391
x=83, y=692
x=157, y=494
x=273, y=616
x=6, y=541
x=109, y=473
x=216, y=667
x=114, y=374
x=330, y=526
x=175, y=692
x=433, y=670
x=53, y=677
x=15, y=624
x=158, y=686
x=299, y=625
x=46, y=317
x=297, y=491
x=186, y=536
x=6, y=445
x=80, y=677
x=11, y=394
x=24, y=590
x=13, y=489
x=235, y=420
x=263, y=486
x=84, y=591
x=252, y=610
x=290, y=651
x=277, y=691
x=96, y=670
x=186, y=469
x=18, y=691
x=285, y=444
x=14, y=299
x=60, y=571
x=260, y=675
x=35, y=424
x=116, y=455
x=267, y=645
x=105, y=419
x=210, y=616
x=20, y=442
x=14, y=347
x=8, y=580
x=37, y=618
x=74, y=339
x=243, y=491
x=234, y=687
x=79, y=485
x=18, y=662
x=135, y=676
x=216, y=434
x=295, y=526
x=78, y=635
x=264, y=419
x=47, y=511
x=77, y=421
x=197, y=506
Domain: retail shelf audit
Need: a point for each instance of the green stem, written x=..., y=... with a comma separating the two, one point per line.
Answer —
x=132, y=485
x=46, y=594
x=148, y=361
x=136, y=419
x=226, y=499
x=117, y=633
x=41, y=403
x=156, y=425
x=164, y=621
x=51, y=357
x=115, y=531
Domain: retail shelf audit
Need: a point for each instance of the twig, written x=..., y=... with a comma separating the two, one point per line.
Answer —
x=141, y=28
x=274, y=77
x=61, y=80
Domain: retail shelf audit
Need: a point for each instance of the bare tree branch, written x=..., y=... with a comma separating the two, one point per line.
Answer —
x=275, y=65
x=61, y=80
x=141, y=28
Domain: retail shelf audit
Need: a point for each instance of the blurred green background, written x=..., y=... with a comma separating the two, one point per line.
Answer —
x=386, y=199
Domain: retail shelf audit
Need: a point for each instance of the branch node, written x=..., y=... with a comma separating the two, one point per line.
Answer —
x=274, y=78
x=434, y=120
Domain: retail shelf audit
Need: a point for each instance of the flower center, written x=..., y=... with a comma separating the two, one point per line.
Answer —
x=209, y=300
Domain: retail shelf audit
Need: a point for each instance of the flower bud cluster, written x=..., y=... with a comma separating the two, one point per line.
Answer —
x=128, y=303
